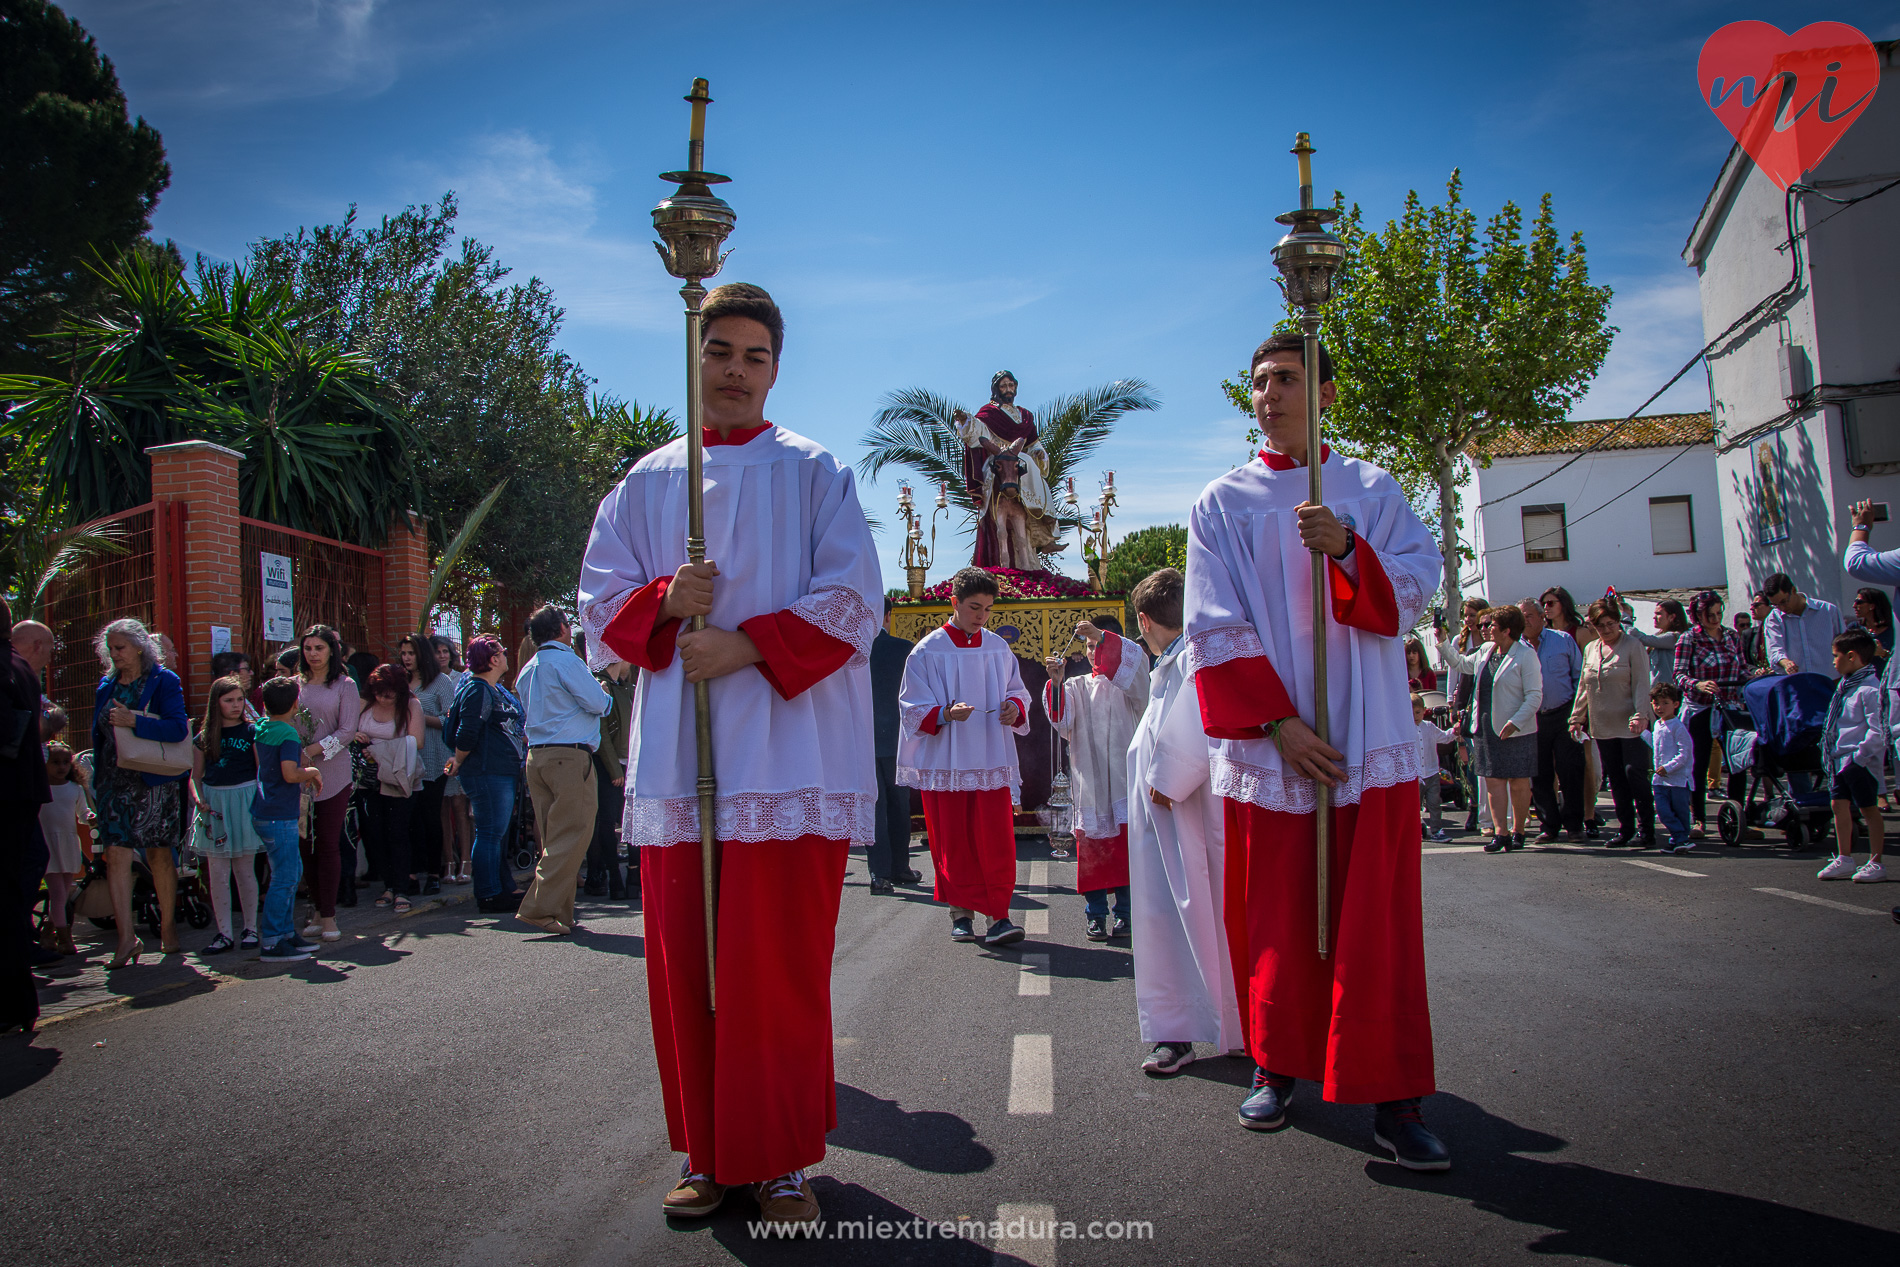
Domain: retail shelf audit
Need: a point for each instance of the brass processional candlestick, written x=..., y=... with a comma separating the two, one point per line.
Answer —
x=694, y=224
x=917, y=555
x=1308, y=258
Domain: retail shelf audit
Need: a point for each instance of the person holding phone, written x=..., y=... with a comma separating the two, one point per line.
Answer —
x=1862, y=561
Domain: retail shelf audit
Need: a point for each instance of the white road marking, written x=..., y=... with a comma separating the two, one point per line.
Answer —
x=1034, y=976
x=1039, y=875
x=1032, y=1075
x=1035, y=921
x=1454, y=849
x=1822, y=901
x=1657, y=866
x=1028, y=1234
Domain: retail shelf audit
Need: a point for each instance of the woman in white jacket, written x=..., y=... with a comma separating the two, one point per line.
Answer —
x=1504, y=718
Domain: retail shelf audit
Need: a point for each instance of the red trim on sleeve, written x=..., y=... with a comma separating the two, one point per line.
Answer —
x=1241, y=696
x=932, y=722
x=1366, y=603
x=798, y=654
x=1105, y=658
x=1052, y=697
x=638, y=634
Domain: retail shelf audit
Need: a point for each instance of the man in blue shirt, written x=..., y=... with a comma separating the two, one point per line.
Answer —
x=1800, y=629
x=564, y=706
x=1559, y=757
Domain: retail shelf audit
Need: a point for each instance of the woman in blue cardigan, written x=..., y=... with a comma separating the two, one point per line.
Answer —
x=138, y=812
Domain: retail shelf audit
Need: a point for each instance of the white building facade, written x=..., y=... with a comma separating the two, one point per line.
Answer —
x=1806, y=394
x=1640, y=511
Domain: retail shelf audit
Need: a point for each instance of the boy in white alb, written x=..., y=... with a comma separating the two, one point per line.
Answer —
x=1184, y=975
x=961, y=706
x=790, y=590
x=1097, y=715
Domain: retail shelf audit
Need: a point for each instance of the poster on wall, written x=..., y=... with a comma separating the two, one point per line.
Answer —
x=1771, y=519
x=280, y=620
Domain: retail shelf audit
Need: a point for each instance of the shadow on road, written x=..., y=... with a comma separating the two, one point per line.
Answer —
x=941, y=1143
x=1594, y=1213
x=628, y=944
x=854, y=1204
x=23, y=1062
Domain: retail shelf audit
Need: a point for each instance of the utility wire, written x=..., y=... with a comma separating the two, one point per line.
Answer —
x=1789, y=205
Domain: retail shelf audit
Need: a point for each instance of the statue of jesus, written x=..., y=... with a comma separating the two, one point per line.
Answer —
x=1005, y=472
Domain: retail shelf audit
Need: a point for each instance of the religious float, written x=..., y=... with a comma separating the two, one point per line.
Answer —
x=1019, y=521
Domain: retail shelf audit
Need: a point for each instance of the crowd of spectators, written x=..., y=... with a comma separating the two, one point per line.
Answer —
x=340, y=778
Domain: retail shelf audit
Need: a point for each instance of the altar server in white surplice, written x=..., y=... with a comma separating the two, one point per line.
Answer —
x=790, y=591
x=1096, y=714
x=1184, y=977
x=961, y=705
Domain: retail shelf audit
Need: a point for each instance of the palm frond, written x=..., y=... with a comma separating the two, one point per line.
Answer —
x=452, y=552
x=78, y=549
x=1073, y=426
x=914, y=430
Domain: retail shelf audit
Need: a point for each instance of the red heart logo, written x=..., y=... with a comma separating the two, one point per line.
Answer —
x=1787, y=98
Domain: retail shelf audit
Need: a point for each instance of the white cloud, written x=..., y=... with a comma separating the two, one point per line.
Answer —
x=240, y=52
x=1659, y=326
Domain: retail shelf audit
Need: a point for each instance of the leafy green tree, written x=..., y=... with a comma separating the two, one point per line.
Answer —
x=78, y=178
x=914, y=430
x=322, y=449
x=472, y=363
x=1445, y=336
x=1143, y=551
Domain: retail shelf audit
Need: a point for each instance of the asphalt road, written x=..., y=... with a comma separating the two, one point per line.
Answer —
x=1639, y=1066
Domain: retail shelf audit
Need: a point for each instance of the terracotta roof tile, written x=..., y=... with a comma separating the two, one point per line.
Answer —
x=1652, y=431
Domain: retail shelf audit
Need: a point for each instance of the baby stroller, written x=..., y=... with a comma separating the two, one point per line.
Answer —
x=1776, y=735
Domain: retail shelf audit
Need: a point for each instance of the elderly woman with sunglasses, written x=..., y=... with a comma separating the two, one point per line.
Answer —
x=1710, y=670
x=1510, y=687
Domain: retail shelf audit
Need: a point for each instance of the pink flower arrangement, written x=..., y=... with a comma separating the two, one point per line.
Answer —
x=1016, y=584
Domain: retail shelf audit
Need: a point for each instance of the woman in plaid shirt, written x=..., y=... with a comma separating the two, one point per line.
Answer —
x=1710, y=669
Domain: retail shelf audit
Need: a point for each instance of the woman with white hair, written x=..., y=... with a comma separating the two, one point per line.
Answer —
x=138, y=813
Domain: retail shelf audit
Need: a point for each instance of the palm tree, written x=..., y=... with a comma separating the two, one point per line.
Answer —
x=914, y=430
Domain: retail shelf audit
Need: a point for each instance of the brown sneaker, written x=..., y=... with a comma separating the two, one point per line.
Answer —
x=786, y=1200
x=693, y=1197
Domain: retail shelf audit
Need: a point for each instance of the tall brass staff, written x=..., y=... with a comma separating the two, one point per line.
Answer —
x=1307, y=258
x=694, y=223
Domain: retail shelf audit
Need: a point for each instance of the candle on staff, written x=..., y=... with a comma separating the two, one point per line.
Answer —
x=943, y=495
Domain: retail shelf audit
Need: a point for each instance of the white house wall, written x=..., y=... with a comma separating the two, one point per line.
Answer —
x=1611, y=546
x=1852, y=262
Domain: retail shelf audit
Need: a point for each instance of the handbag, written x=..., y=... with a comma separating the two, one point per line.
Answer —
x=150, y=756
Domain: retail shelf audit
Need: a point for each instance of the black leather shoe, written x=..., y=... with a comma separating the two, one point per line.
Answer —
x=432, y=886
x=1264, y=1109
x=1498, y=844
x=1398, y=1128
x=882, y=887
x=913, y=877
x=499, y=905
x=595, y=888
x=1517, y=840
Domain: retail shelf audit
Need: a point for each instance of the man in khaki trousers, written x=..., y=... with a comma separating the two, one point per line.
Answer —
x=564, y=705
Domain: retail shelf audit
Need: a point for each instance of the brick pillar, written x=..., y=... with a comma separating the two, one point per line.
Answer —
x=199, y=480
x=406, y=573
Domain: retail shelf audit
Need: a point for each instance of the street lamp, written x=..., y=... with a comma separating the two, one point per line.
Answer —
x=1308, y=259
x=694, y=224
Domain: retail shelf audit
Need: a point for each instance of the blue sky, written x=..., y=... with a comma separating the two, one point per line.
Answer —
x=1075, y=192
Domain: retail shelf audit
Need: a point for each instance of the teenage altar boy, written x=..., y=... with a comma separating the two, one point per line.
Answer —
x=962, y=705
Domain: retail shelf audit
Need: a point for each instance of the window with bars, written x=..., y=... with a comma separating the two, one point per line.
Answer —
x=1544, y=538
x=1671, y=525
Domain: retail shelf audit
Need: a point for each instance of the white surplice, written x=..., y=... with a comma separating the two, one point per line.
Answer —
x=1249, y=593
x=978, y=753
x=1184, y=979
x=1097, y=716
x=784, y=525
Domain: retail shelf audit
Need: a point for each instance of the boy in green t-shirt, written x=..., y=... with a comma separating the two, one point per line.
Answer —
x=280, y=770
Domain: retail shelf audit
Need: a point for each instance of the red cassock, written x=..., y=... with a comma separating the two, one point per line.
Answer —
x=749, y=1092
x=1357, y=1022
